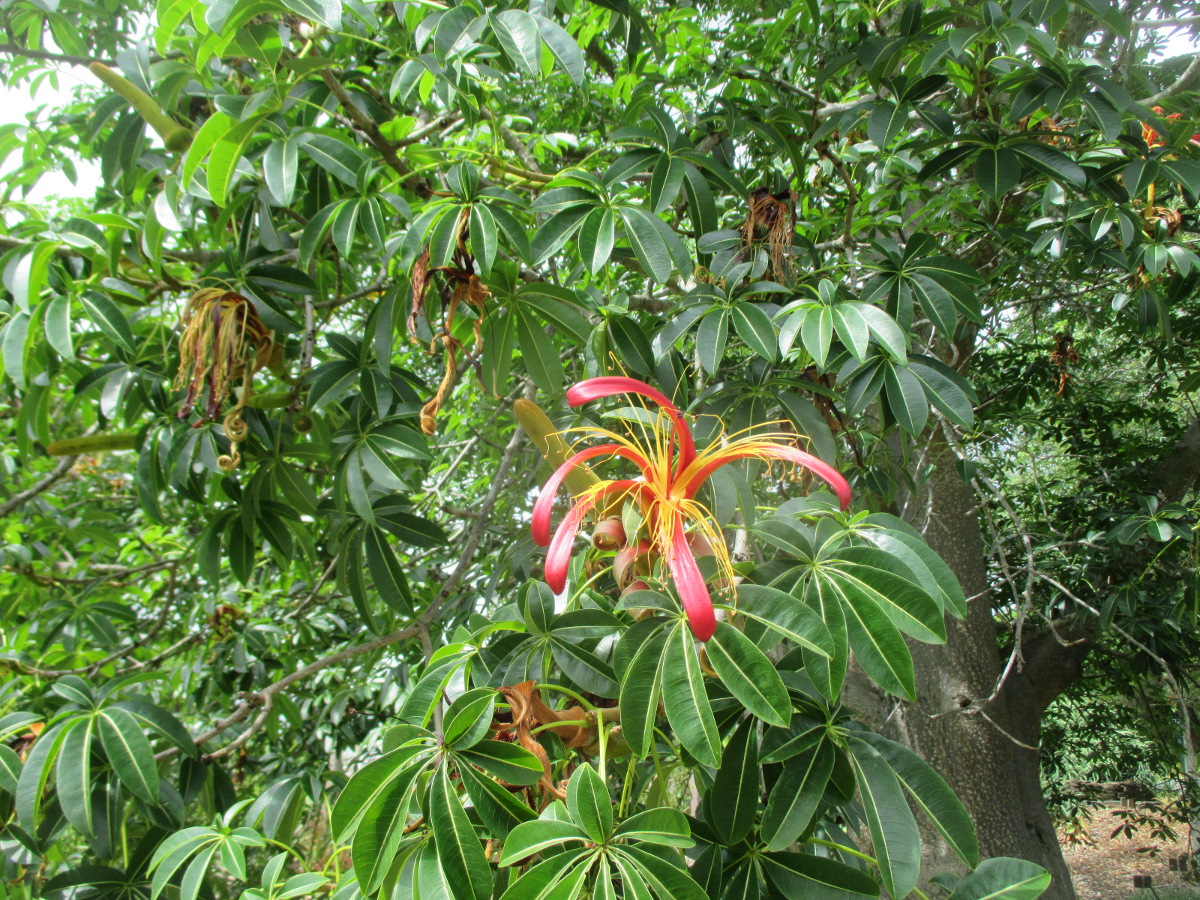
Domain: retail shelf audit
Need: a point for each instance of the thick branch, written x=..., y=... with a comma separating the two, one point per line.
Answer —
x=1053, y=660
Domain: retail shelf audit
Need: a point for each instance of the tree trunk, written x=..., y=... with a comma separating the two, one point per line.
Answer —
x=981, y=748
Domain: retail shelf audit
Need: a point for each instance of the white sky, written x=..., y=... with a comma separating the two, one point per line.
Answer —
x=16, y=104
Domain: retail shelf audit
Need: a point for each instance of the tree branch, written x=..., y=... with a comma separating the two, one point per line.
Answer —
x=370, y=128
x=821, y=112
x=57, y=474
x=484, y=514
x=29, y=53
x=1190, y=74
x=514, y=143
x=1166, y=23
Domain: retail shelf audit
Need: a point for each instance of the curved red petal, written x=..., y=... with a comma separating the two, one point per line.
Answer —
x=558, y=556
x=818, y=467
x=606, y=386
x=689, y=583
x=540, y=526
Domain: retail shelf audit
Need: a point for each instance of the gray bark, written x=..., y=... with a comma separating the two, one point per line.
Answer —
x=974, y=744
x=996, y=778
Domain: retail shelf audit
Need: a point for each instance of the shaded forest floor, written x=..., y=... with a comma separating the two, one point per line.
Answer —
x=1104, y=870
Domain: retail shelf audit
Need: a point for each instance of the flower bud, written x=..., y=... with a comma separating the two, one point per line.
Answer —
x=609, y=534
x=630, y=560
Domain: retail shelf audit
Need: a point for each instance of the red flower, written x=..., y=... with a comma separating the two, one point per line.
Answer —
x=672, y=473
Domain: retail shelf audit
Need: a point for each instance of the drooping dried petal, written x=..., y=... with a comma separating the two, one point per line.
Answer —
x=631, y=560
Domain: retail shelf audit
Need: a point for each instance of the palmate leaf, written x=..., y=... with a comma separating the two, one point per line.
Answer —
x=641, y=689
x=467, y=719
x=876, y=642
x=667, y=881
x=787, y=616
x=1003, y=879
x=508, y=762
x=584, y=668
x=780, y=744
x=555, y=877
x=894, y=833
x=533, y=837
x=662, y=825
x=732, y=802
x=380, y=831
x=742, y=882
x=589, y=803
x=827, y=672
x=801, y=876
x=74, y=776
x=796, y=796
x=500, y=809
x=368, y=784
x=931, y=794
x=903, y=543
x=198, y=844
x=748, y=674
x=458, y=848
x=129, y=752
x=686, y=701
x=893, y=587
x=10, y=769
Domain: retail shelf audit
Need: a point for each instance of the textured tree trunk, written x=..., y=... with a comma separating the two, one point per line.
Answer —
x=981, y=749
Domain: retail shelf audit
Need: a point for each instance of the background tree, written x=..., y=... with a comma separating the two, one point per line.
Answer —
x=267, y=501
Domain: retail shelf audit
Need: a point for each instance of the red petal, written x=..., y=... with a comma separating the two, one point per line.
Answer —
x=559, y=555
x=594, y=388
x=777, y=451
x=697, y=602
x=545, y=501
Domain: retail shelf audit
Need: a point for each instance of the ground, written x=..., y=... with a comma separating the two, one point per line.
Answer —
x=1103, y=868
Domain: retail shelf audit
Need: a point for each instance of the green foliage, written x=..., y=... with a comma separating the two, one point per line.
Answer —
x=274, y=627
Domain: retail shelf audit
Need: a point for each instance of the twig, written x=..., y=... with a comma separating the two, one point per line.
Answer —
x=370, y=128
x=425, y=131
x=1166, y=23
x=415, y=629
x=821, y=112
x=57, y=474
x=259, y=721
x=409, y=631
x=485, y=513
x=30, y=53
x=379, y=284
x=514, y=143
x=1179, y=84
